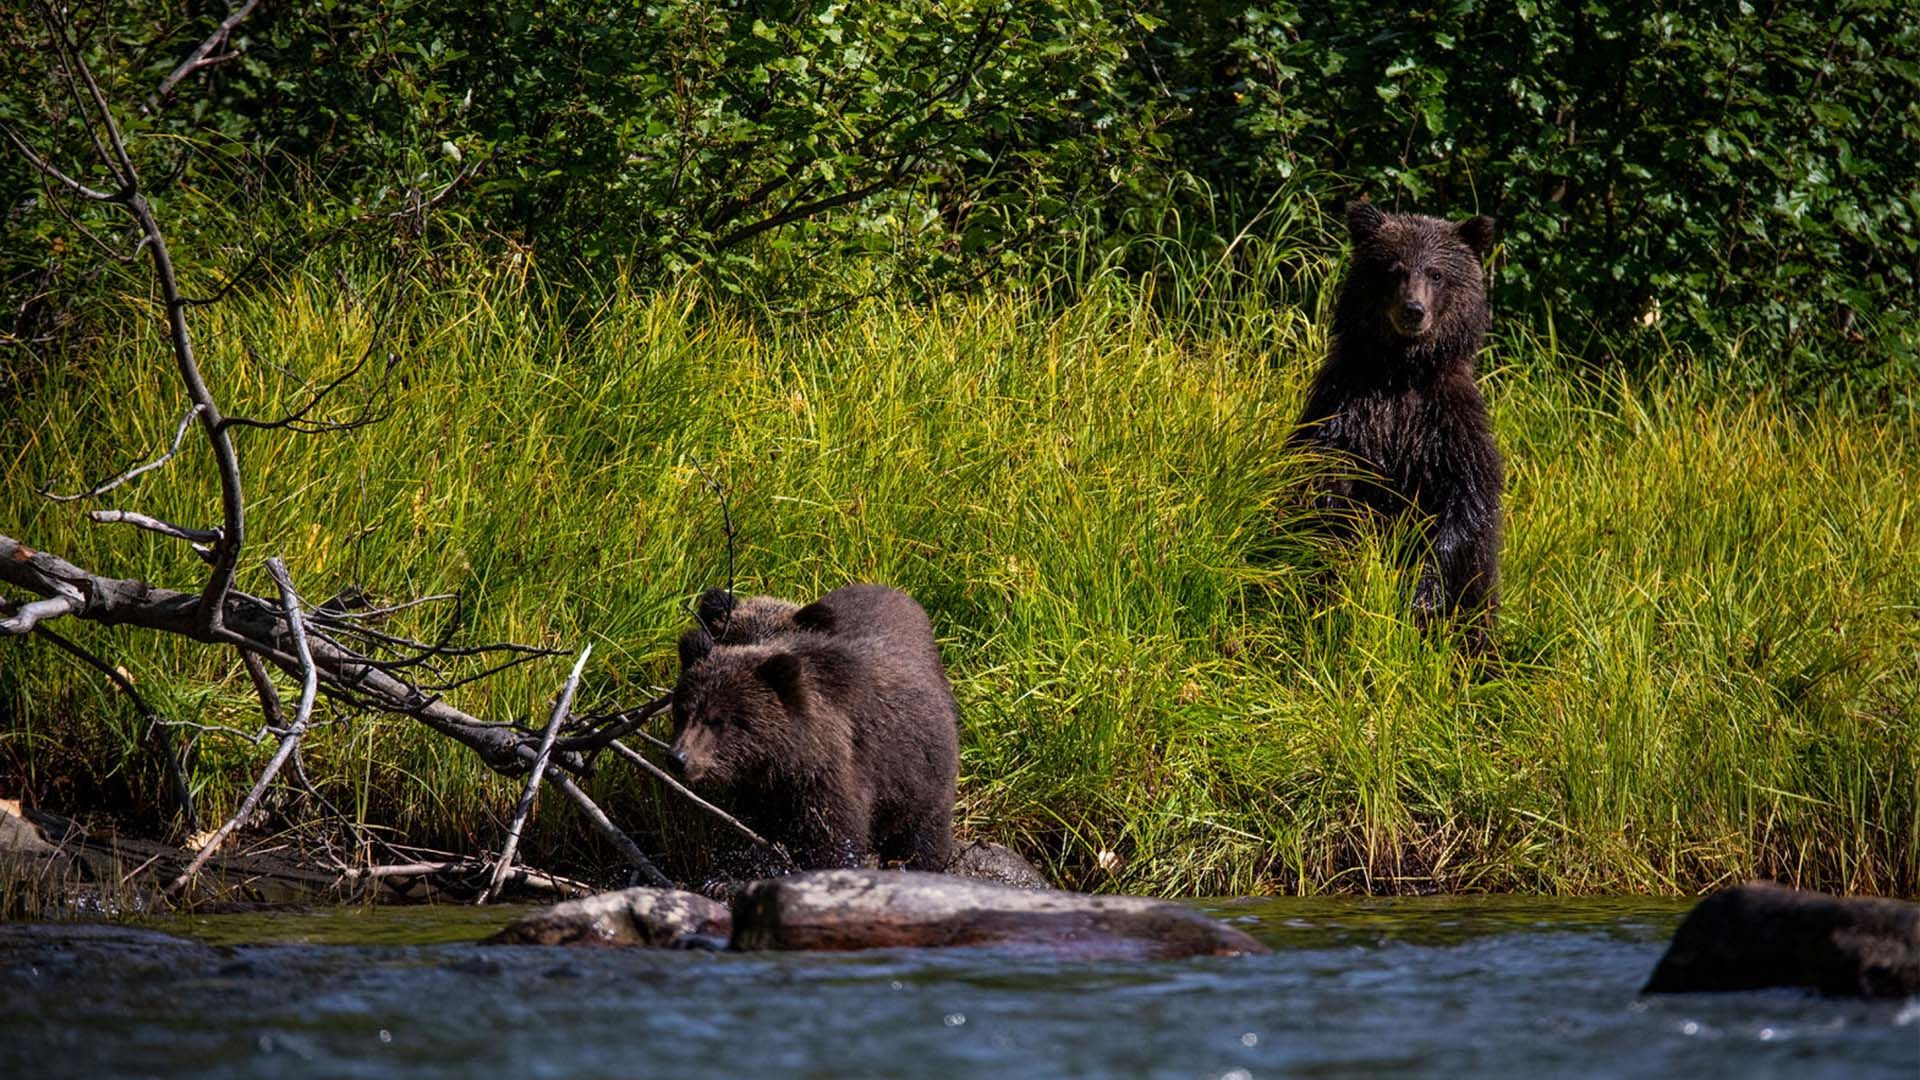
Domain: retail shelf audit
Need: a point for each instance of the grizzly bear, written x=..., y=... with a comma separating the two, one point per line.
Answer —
x=1396, y=402
x=830, y=728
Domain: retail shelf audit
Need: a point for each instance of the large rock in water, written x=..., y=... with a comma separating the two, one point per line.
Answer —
x=651, y=918
x=1761, y=934
x=878, y=909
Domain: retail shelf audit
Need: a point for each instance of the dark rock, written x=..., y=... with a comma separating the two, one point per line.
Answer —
x=877, y=909
x=651, y=918
x=985, y=860
x=1761, y=934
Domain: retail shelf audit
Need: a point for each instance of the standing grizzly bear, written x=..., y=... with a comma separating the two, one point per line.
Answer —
x=829, y=728
x=1396, y=398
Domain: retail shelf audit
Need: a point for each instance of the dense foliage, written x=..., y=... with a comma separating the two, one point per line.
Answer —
x=1746, y=174
x=1740, y=180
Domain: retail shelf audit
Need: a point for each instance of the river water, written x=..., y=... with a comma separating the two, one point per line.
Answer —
x=1429, y=987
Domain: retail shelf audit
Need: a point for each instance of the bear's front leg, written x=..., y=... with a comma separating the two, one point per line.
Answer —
x=1461, y=578
x=833, y=832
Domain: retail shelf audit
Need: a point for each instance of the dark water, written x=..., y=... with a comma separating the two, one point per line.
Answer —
x=1354, y=988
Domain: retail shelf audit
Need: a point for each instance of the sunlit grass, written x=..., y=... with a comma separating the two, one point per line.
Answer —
x=1710, y=650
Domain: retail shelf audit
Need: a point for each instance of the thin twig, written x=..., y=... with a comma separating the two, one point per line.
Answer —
x=618, y=725
x=47, y=169
x=176, y=773
x=525, y=806
x=309, y=685
x=105, y=486
x=642, y=866
x=203, y=57
x=726, y=522
x=153, y=524
x=661, y=775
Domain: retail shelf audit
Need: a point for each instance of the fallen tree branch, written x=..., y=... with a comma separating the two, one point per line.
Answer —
x=525, y=806
x=309, y=685
x=522, y=875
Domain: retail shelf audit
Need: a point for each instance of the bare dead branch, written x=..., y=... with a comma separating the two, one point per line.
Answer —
x=270, y=708
x=642, y=866
x=297, y=421
x=226, y=552
x=604, y=729
x=520, y=811
x=179, y=434
x=153, y=524
x=417, y=207
x=726, y=522
x=683, y=791
x=202, y=57
x=176, y=772
x=52, y=172
x=32, y=613
x=336, y=615
x=521, y=875
x=309, y=685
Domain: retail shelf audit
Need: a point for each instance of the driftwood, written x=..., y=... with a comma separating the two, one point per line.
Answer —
x=540, y=760
x=329, y=649
x=68, y=861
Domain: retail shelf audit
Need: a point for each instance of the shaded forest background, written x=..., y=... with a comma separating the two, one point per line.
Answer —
x=1738, y=182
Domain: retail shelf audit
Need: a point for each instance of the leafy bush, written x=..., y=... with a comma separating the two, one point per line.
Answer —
x=1737, y=182
x=1742, y=175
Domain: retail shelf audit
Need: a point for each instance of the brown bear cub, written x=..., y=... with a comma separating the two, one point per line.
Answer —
x=1396, y=400
x=830, y=728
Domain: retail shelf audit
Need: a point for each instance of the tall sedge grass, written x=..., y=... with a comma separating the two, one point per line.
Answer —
x=1709, y=658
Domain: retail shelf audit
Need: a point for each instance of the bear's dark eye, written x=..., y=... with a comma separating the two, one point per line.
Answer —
x=1434, y=275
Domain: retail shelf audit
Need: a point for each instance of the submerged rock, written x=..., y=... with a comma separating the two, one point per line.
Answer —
x=1761, y=934
x=651, y=918
x=984, y=860
x=877, y=909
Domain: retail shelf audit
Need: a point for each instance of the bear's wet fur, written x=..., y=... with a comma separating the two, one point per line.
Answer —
x=1396, y=402
x=830, y=728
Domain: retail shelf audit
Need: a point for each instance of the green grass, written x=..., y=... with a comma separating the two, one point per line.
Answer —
x=1710, y=650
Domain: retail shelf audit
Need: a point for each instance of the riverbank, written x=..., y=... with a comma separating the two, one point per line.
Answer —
x=1709, y=661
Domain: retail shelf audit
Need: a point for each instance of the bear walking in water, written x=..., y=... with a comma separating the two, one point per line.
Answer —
x=1397, y=399
x=829, y=728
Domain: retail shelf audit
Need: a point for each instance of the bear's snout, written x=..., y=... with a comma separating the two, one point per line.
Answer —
x=1410, y=318
x=677, y=759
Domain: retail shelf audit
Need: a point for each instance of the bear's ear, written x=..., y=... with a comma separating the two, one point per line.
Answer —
x=786, y=674
x=1364, y=220
x=1477, y=232
x=695, y=644
x=714, y=608
x=816, y=617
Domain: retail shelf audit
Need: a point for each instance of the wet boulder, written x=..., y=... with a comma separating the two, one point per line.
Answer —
x=647, y=918
x=984, y=860
x=878, y=909
x=1761, y=934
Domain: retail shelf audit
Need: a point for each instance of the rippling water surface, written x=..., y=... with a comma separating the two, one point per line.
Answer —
x=1454, y=987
